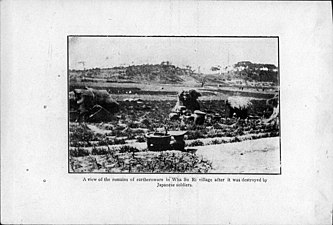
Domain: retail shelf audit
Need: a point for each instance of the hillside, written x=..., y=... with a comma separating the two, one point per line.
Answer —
x=166, y=73
x=244, y=72
x=160, y=73
x=163, y=73
x=256, y=72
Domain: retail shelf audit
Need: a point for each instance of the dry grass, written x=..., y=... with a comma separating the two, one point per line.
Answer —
x=129, y=159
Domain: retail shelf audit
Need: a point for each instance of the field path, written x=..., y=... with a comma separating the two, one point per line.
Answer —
x=252, y=156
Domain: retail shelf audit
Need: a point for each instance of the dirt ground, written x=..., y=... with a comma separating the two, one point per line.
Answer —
x=252, y=156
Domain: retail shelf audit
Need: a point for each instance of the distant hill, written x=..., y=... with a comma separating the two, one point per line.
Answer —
x=166, y=73
x=160, y=73
x=245, y=71
x=256, y=72
x=163, y=73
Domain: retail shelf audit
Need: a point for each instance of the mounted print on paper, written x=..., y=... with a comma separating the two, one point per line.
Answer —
x=173, y=104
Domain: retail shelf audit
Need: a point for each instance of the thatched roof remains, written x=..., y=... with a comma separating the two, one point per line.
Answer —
x=239, y=102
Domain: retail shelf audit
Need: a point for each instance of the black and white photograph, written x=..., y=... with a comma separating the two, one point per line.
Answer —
x=166, y=112
x=174, y=104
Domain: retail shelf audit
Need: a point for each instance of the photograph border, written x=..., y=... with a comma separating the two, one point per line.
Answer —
x=173, y=36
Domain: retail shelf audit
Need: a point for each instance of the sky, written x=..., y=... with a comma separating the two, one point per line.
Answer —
x=106, y=52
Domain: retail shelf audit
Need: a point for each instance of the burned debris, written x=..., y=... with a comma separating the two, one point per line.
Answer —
x=92, y=105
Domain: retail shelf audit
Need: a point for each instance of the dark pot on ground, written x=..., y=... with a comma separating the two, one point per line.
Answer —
x=158, y=141
x=199, y=117
x=178, y=143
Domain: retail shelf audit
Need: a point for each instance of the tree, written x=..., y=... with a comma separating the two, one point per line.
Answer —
x=189, y=69
x=215, y=68
x=203, y=81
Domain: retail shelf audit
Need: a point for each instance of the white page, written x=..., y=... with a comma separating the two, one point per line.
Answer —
x=36, y=187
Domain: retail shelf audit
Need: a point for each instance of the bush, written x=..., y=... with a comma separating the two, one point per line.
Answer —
x=78, y=144
x=215, y=142
x=140, y=139
x=129, y=134
x=119, y=141
x=127, y=148
x=81, y=133
x=133, y=125
x=78, y=152
x=99, y=151
x=196, y=143
x=195, y=134
x=274, y=134
x=105, y=142
x=236, y=139
x=229, y=134
x=212, y=133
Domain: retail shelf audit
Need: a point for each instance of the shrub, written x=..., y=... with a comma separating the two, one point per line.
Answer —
x=106, y=142
x=229, y=134
x=140, y=139
x=129, y=133
x=195, y=134
x=78, y=152
x=196, y=143
x=81, y=133
x=236, y=139
x=219, y=134
x=119, y=141
x=99, y=151
x=127, y=148
x=212, y=133
x=215, y=142
x=133, y=125
x=77, y=144
x=239, y=131
x=274, y=134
